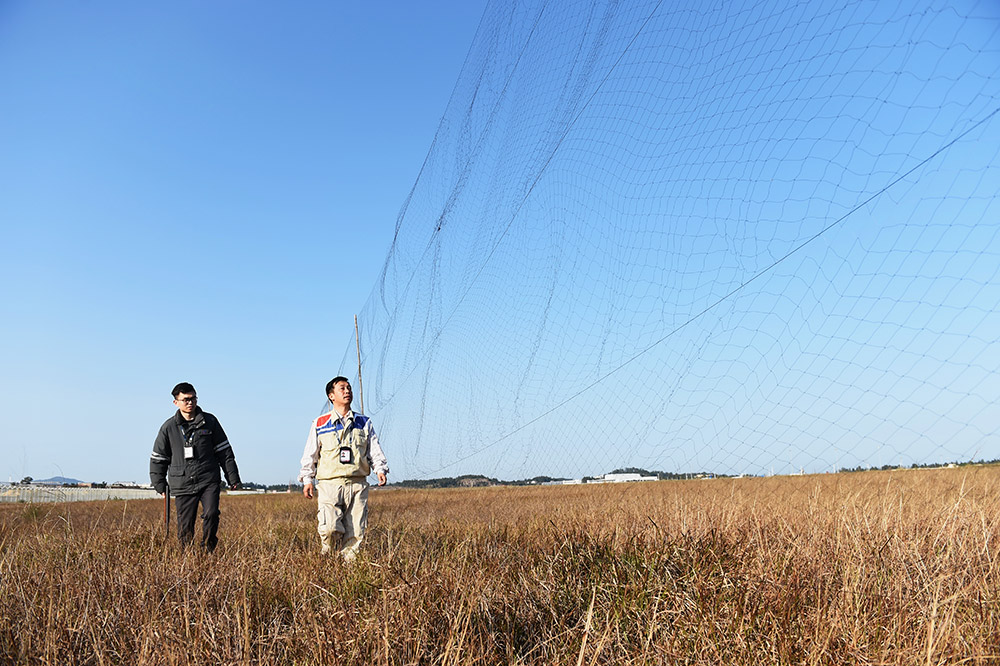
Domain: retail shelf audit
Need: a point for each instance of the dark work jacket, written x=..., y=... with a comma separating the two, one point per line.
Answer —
x=211, y=452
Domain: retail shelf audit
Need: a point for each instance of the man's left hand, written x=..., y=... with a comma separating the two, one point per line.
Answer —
x=234, y=486
x=381, y=478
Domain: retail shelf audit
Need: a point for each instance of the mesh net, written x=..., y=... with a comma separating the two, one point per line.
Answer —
x=731, y=237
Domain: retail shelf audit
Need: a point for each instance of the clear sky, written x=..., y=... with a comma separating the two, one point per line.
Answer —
x=737, y=237
x=199, y=192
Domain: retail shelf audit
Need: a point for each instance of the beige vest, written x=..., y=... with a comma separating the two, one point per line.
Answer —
x=343, y=453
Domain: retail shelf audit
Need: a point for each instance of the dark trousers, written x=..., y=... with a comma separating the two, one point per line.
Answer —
x=187, y=508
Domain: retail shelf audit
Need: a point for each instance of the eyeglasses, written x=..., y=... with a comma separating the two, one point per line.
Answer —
x=188, y=400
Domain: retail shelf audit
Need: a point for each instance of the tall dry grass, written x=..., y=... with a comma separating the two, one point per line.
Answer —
x=876, y=568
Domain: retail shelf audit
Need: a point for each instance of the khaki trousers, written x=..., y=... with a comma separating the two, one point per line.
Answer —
x=343, y=509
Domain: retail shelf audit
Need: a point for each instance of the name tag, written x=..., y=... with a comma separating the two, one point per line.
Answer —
x=345, y=455
x=188, y=452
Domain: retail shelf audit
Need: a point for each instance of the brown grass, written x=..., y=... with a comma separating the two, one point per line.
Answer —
x=872, y=568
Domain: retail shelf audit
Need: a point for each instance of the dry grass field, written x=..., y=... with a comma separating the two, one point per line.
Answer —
x=865, y=568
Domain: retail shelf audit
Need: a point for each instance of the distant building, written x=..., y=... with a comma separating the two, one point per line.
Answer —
x=607, y=478
x=623, y=478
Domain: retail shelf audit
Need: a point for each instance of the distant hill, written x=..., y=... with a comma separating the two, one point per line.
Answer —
x=55, y=481
x=465, y=481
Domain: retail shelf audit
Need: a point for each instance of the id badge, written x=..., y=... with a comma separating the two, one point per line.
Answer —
x=345, y=455
x=188, y=452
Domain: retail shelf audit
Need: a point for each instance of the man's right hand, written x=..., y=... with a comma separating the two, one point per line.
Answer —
x=307, y=491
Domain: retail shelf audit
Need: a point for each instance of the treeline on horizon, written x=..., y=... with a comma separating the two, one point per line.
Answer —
x=920, y=466
x=479, y=480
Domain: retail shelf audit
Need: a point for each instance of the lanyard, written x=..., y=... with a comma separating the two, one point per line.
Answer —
x=188, y=435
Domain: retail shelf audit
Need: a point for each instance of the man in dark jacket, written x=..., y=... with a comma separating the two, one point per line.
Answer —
x=188, y=452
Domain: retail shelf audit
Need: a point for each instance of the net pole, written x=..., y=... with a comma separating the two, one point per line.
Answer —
x=361, y=386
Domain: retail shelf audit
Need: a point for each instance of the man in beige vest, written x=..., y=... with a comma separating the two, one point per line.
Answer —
x=341, y=451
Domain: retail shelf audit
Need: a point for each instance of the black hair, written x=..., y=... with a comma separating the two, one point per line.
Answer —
x=333, y=382
x=183, y=387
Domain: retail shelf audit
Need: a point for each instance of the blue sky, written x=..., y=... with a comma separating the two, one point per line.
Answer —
x=764, y=235
x=199, y=192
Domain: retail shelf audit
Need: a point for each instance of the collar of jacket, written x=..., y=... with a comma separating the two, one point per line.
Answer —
x=348, y=417
x=197, y=420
